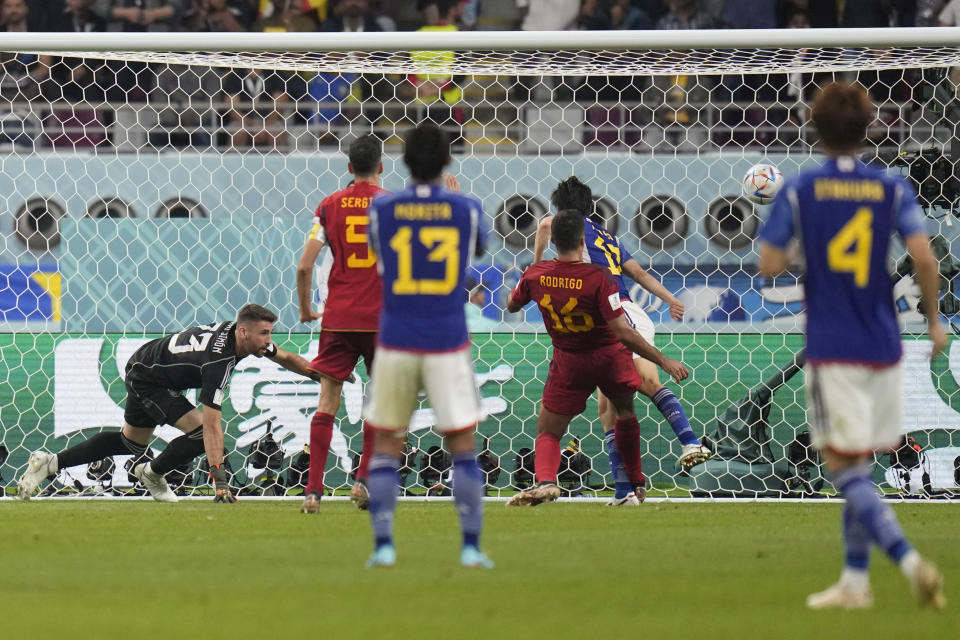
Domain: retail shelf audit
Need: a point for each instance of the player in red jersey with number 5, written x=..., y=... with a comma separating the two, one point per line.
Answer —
x=581, y=309
x=352, y=311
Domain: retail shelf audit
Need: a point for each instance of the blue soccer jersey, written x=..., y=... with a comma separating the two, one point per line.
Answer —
x=604, y=249
x=844, y=213
x=424, y=237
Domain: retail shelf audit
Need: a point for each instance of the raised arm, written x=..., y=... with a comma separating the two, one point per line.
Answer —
x=635, y=342
x=542, y=239
x=642, y=277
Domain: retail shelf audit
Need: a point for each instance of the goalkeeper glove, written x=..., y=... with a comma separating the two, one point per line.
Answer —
x=222, y=489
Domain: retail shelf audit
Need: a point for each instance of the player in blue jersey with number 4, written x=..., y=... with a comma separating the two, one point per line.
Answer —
x=424, y=237
x=844, y=213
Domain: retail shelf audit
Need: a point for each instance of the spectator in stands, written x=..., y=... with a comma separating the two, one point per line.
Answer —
x=285, y=15
x=686, y=14
x=683, y=14
x=258, y=102
x=949, y=15
x=22, y=72
x=612, y=14
x=76, y=79
x=438, y=94
x=142, y=15
x=351, y=16
x=749, y=14
x=219, y=15
x=45, y=15
x=820, y=13
x=542, y=15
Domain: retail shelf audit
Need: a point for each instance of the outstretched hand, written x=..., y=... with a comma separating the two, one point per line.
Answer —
x=310, y=315
x=450, y=183
x=675, y=369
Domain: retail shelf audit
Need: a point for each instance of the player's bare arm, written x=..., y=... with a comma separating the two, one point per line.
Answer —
x=541, y=239
x=635, y=342
x=773, y=260
x=642, y=277
x=311, y=249
x=297, y=364
x=928, y=275
x=450, y=183
x=213, y=446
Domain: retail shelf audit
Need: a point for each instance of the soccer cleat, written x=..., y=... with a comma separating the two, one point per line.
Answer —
x=927, y=585
x=640, y=491
x=630, y=500
x=359, y=495
x=840, y=596
x=384, y=556
x=154, y=483
x=546, y=492
x=311, y=503
x=694, y=454
x=473, y=558
x=40, y=466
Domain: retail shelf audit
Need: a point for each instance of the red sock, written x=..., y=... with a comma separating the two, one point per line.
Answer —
x=366, y=452
x=627, y=435
x=546, y=459
x=321, y=430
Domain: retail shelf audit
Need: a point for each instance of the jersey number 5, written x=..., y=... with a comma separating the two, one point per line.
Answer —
x=354, y=261
x=566, y=319
x=443, y=244
x=849, y=250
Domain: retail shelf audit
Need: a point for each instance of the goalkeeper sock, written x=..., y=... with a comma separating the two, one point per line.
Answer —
x=321, y=431
x=621, y=483
x=180, y=451
x=103, y=445
x=366, y=452
x=670, y=407
x=869, y=510
x=627, y=435
x=383, y=482
x=856, y=541
x=546, y=457
x=468, y=496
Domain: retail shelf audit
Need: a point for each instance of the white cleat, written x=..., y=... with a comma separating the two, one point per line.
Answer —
x=535, y=496
x=629, y=501
x=694, y=454
x=840, y=596
x=40, y=466
x=154, y=483
x=927, y=586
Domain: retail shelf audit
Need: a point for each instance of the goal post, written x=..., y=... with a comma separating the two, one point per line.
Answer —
x=156, y=181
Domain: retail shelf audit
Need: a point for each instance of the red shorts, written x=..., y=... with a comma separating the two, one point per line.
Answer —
x=574, y=375
x=341, y=350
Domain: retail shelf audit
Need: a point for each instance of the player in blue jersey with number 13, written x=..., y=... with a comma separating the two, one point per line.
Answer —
x=424, y=237
x=844, y=213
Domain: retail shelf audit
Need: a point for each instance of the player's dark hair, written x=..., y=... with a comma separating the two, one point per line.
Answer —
x=426, y=151
x=567, y=229
x=251, y=313
x=841, y=114
x=572, y=194
x=365, y=154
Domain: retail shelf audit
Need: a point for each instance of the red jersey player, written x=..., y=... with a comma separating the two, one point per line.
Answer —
x=580, y=304
x=352, y=311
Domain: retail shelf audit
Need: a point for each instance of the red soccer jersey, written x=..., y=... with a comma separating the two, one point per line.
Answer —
x=576, y=299
x=353, y=298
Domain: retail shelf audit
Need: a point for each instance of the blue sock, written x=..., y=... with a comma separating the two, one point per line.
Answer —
x=856, y=541
x=621, y=483
x=468, y=496
x=876, y=516
x=670, y=407
x=383, y=482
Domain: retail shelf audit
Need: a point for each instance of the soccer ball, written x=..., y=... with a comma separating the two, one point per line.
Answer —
x=762, y=182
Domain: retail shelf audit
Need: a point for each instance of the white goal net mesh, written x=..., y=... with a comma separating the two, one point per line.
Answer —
x=147, y=192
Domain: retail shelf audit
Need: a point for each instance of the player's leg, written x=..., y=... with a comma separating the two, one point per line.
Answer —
x=550, y=428
x=179, y=451
x=451, y=389
x=622, y=487
x=856, y=410
x=359, y=494
x=626, y=437
x=390, y=401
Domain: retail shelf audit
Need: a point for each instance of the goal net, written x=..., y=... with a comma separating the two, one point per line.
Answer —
x=158, y=182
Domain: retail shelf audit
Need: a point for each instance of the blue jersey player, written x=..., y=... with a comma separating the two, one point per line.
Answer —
x=424, y=237
x=844, y=213
x=603, y=248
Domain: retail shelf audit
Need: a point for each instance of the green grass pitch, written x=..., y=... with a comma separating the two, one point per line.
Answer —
x=82, y=569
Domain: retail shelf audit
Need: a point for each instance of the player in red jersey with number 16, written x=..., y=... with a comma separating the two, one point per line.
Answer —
x=581, y=309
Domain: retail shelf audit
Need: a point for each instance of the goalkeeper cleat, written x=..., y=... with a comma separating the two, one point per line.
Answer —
x=927, y=584
x=359, y=495
x=154, y=483
x=841, y=596
x=629, y=500
x=384, y=556
x=311, y=503
x=473, y=558
x=40, y=466
x=694, y=454
x=546, y=492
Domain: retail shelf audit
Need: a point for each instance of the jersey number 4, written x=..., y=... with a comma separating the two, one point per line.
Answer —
x=849, y=250
x=443, y=244
x=566, y=320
